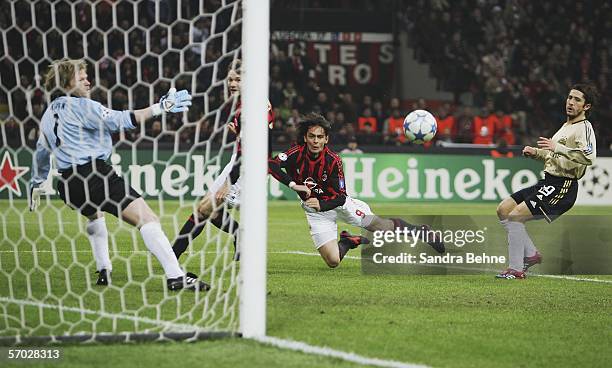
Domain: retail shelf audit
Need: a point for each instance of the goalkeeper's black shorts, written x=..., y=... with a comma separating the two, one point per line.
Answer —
x=550, y=197
x=94, y=187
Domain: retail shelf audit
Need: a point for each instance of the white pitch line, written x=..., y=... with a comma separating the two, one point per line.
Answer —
x=99, y=313
x=332, y=353
x=311, y=254
x=561, y=277
x=574, y=278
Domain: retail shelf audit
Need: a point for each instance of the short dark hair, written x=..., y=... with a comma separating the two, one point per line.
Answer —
x=590, y=94
x=311, y=120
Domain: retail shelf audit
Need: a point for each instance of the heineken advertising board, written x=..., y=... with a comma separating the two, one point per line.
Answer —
x=374, y=177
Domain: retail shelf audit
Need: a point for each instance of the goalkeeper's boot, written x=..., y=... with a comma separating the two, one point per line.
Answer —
x=104, y=277
x=511, y=274
x=189, y=282
x=354, y=240
x=432, y=238
x=532, y=261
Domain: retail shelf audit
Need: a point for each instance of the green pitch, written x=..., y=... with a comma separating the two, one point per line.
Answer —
x=442, y=321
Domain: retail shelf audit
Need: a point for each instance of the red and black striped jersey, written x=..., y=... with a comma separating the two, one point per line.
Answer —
x=323, y=174
x=235, y=173
x=236, y=119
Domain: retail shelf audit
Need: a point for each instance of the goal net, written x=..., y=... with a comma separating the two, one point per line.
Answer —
x=135, y=51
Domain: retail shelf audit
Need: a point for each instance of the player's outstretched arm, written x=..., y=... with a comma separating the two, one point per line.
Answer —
x=172, y=101
x=535, y=153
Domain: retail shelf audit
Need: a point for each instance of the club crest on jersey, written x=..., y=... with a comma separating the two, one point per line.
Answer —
x=324, y=177
x=563, y=140
x=282, y=156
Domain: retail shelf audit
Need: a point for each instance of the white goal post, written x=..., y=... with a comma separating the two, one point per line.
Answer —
x=254, y=216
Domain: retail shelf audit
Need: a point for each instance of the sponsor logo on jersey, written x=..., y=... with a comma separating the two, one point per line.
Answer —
x=310, y=183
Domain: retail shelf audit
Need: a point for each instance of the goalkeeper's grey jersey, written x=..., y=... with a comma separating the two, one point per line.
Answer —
x=76, y=130
x=575, y=150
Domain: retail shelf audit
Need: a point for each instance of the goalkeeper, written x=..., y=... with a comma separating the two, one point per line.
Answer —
x=77, y=130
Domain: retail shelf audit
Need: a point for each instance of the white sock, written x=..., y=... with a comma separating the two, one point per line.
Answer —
x=516, y=243
x=98, y=238
x=158, y=244
x=530, y=248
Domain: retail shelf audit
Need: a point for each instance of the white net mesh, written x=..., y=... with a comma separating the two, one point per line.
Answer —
x=135, y=51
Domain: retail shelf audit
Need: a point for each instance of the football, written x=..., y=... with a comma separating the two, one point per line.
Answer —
x=420, y=126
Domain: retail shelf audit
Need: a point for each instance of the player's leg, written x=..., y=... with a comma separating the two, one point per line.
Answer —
x=210, y=207
x=513, y=212
x=324, y=232
x=358, y=213
x=192, y=227
x=98, y=239
x=330, y=252
x=333, y=250
x=139, y=214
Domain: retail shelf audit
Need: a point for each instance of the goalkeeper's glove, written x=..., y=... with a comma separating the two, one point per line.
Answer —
x=35, y=198
x=173, y=101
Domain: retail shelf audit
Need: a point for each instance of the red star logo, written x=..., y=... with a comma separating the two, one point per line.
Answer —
x=9, y=174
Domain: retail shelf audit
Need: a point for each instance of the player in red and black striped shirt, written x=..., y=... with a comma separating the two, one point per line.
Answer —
x=315, y=173
x=226, y=187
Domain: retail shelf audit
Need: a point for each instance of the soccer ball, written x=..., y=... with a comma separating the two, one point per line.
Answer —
x=420, y=126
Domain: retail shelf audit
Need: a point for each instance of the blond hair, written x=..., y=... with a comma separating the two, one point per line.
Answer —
x=61, y=72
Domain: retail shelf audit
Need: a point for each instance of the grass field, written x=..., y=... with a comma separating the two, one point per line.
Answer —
x=441, y=321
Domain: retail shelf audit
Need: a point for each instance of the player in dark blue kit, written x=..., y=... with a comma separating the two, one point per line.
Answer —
x=315, y=173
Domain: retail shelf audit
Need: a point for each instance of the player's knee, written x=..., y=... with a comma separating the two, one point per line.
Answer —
x=149, y=217
x=516, y=216
x=503, y=210
x=332, y=262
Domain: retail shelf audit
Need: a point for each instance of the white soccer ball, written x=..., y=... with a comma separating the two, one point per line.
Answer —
x=420, y=126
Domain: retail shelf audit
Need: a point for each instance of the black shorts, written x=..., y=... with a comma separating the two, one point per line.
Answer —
x=95, y=187
x=550, y=197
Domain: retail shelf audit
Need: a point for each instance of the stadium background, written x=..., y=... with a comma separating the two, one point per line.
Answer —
x=495, y=74
x=490, y=71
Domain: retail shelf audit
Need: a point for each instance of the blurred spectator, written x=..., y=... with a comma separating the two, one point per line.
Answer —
x=368, y=136
x=366, y=117
x=351, y=146
x=503, y=129
x=465, y=124
x=501, y=150
x=446, y=124
x=394, y=128
x=484, y=127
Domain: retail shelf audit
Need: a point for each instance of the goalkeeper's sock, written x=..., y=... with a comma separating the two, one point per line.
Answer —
x=98, y=238
x=398, y=223
x=188, y=233
x=157, y=242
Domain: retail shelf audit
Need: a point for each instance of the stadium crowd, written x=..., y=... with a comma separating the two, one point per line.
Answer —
x=516, y=58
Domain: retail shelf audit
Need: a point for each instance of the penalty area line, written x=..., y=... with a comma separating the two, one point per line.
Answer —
x=332, y=353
